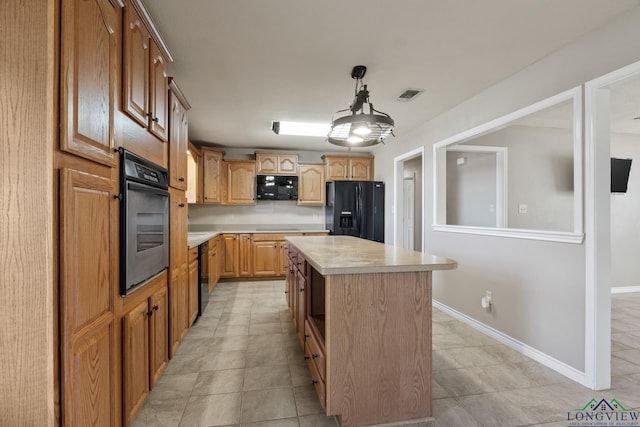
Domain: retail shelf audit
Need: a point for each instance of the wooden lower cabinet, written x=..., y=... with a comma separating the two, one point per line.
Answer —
x=245, y=253
x=266, y=256
x=229, y=262
x=178, y=297
x=214, y=262
x=145, y=352
x=89, y=349
x=193, y=285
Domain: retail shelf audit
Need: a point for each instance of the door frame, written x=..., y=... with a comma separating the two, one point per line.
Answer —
x=398, y=186
x=598, y=226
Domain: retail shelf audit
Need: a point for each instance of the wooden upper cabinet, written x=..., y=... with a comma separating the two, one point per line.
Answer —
x=241, y=182
x=361, y=168
x=178, y=139
x=145, y=81
x=158, y=91
x=194, y=174
x=135, y=59
x=274, y=164
x=311, y=185
x=350, y=168
x=89, y=66
x=212, y=170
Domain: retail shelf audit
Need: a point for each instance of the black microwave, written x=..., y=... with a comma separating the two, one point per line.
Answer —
x=277, y=187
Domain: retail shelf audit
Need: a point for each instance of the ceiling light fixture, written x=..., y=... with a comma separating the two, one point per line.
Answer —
x=300, y=128
x=359, y=129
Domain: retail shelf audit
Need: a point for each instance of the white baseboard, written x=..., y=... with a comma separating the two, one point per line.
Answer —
x=624, y=289
x=540, y=357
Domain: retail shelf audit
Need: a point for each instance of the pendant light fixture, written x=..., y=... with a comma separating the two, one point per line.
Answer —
x=358, y=128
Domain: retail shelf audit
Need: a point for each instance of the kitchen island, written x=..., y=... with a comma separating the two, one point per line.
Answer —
x=362, y=311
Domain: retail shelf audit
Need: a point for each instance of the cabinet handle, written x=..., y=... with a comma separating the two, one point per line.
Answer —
x=307, y=336
x=314, y=382
x=155, y=119
x=118, y=197
x=301, y=289
x=181, y=179
x=149, y=114
x=306, y=358
x=314, y=356
x=155, y=308
x=149, y=313
x=181, y=205
x=286, y=292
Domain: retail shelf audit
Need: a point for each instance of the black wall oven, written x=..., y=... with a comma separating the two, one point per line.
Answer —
x=144, y=221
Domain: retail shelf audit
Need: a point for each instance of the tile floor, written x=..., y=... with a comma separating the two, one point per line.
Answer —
x=241, y=365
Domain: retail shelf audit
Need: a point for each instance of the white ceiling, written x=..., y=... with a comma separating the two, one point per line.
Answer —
x=245, y=63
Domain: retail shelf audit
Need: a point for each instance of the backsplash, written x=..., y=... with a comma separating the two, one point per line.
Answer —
x=263, y=212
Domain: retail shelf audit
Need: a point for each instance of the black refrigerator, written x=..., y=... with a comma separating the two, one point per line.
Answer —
x=356, y=208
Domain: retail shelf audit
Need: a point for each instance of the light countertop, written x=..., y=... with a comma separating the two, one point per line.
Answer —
x=352, y=255
x=200, y=234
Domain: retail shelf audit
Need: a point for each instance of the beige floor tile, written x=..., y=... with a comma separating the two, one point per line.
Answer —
x=318, y=420
x=231, y=330
x=449, y=413
x=213, y=410
x=307, y=401
x=631, y=356
x=288, y=422
x=219, y=382
x=268, y=356
x=237, y=342
x=489, y=410
x=265, y=405
x=462, y=382
x=265, y=328
x=224, y=360
x=264, y=377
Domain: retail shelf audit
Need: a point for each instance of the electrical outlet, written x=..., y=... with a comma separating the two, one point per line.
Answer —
x=488, y=295
x=523, y=208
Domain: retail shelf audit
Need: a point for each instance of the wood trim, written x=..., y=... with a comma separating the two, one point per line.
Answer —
x=153, y=30
x=179, y=94
x=117, y=3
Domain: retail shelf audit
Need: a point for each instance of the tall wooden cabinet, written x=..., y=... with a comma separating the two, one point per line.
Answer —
x=88, y=213
x=178, y=269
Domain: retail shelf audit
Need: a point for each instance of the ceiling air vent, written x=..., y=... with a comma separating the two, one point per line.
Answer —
x=409, y=94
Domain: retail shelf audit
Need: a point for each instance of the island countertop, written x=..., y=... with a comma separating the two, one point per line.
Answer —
x=331, y=255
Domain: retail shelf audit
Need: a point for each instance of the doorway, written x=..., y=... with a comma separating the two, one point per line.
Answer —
x=408, y=200
x=612, y=130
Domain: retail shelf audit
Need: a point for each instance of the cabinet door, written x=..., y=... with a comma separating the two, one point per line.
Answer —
x=89, y=66
x=193, y=291
x=177, y=144
x=311, y=186
x=135, y=359
x=283, y=259
x=178, y=228
x=159, y=92
x=266, y=164
x=265, y=258
x=158, y=335
x=176, y=326
x=361, y=168
x=337, y=168
x=241, y=183
x=214, y=269
x=229, y=260
x=300, y=312
x=135, y=64
x=288, y=164
x=245, y=256
x=194, y=174
x=212, y=170
x=88, y=277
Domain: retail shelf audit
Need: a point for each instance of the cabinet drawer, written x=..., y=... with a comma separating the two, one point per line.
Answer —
x=315, y=351
x=316, y=379
x=267, y=237
x=193, y=254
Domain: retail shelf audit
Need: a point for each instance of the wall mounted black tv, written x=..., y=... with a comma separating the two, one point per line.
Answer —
x=620, y=174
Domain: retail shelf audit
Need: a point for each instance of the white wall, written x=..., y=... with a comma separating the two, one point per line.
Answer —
x=625, y=216
x=539, y=287
x=281, y=212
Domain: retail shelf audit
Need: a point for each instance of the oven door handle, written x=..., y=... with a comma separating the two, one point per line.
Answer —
x=147, y=189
